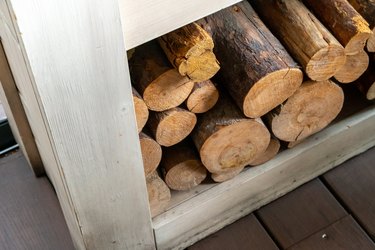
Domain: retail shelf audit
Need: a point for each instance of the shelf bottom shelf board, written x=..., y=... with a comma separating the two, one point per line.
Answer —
x=221, y=204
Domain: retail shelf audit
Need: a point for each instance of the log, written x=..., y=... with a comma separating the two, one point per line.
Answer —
x=203, y=97
x=345, y=23
x=171, y=126
x=367, y=9
x=366, y=83
x=305, y=37
x=189, y=49
x=353, y=68
x=256, y=70
x=161, y=86
x=227, y=175
x=182, y=167
x=141, y=110
x=271, y=151
x=159, y=194
x=151, y=153
x=226, y=139
x=310, y=109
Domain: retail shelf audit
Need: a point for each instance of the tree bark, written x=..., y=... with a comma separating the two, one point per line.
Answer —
x=151, y=153
x=203, y=97
x=305, y=37
x=159, y=194
x=226, y=139
x=367, y=9
x=161, y=86
x=171, y=126
x=345, y=23
x=353, y=68
x=310, y=109
x=141, y=110
x=256, y=70
x=182, y=167
x=189, y=49
x=271, y=151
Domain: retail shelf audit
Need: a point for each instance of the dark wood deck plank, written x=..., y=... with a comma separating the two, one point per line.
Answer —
x=343, y=234
x=301, y=213
x=354, y=184
x=30, y=215
x=246, y=233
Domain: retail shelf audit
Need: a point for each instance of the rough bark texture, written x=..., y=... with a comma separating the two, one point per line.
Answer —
x=182, y=167
x=353, y=68
x=226, y=139
x=189, y=49
x=367, y=9
x=366, y=83
x=159, y=194
x=203, y=97
x=141, y=110
x=310, y=109
x=256, y=70
x=271, y=151
x=151, y=153
x=305, y=37
x=345, y=23
x=161, y=86
x=171, y=126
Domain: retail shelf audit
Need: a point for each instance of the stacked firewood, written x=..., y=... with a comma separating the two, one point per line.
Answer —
x=217, y=95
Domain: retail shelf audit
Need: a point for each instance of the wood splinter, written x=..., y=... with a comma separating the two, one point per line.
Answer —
x=189, y=49
x=160, y=85
x=182, y=167
x=312, y=107
x=227, y=140
x=171, y=126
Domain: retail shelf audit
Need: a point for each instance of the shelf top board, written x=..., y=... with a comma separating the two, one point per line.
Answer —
x=145, y=20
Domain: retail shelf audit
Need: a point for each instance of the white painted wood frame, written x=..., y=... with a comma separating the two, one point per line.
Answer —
x=69, y=63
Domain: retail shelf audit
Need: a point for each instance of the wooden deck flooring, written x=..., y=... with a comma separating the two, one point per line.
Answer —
x=334, y=211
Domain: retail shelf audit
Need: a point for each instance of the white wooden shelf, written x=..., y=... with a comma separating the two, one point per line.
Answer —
x=144, y=20
x=68, y=59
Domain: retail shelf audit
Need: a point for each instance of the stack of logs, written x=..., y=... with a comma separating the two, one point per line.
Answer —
x=191, y=123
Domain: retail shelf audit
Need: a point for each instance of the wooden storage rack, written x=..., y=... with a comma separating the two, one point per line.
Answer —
x=68, y=59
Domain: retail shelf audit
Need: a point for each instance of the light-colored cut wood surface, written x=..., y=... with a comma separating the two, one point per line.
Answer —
x=2, y=112
x=159, y=17
x=71, y=75
x=188, y=222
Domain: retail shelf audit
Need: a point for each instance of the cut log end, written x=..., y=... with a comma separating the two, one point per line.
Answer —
x=312, y=107
x=326, y=62
x=271, y=151
x=227, y=175
x=141, y=112
x=203, y=97
x=186, y=175
x=159, y=194
x=199, y=68
x=271, y=90
x=167, y=91
x=151, y=153
x=234, y=146
x=358, y=41
x=353, y=68
x=176, y=126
